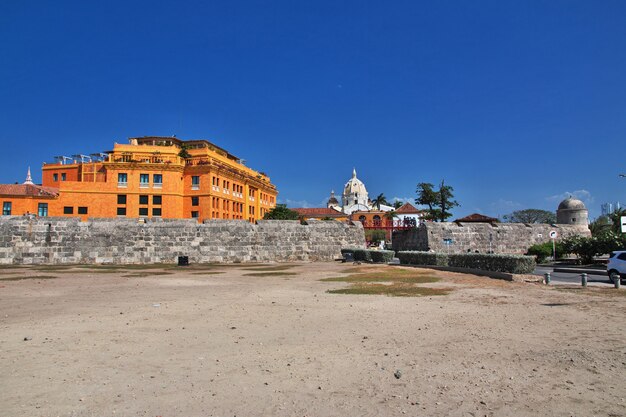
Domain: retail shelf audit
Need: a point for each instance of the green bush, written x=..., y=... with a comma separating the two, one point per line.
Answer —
x=423, y=258
x=586, y=248
x=362, y=255
x=369, y=255
x=375, y=236
x=542, y=251
x=514, y=264
x=381, y=256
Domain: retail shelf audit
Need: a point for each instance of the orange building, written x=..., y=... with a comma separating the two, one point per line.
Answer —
x=151, y=177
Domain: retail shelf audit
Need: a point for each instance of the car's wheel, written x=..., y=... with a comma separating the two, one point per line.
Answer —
x=613, y=275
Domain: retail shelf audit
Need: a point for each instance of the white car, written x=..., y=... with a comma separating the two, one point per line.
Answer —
x=616, y=268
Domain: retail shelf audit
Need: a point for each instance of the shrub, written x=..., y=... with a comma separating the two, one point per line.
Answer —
x=542, y=251
x=514, y=264
x=374, y=235
x=423, y=258
x=586, y=248
x=369, y=255
x=362, y=255
x=381, y=256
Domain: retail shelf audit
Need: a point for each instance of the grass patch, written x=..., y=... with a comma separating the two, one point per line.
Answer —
x=269, y=274
x=44, y=268
x=269, y=268
x=146, y=274
x=396, y=289
x=22, y=278
x=392, y=282
x=606, y=292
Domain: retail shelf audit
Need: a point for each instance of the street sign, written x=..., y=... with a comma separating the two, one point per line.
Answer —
x=623, y=223
x=553, y=234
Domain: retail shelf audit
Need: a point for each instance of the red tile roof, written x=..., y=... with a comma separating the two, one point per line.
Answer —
x=28, y=190
x=408, y=208
x=318, y=212
x=477, y=218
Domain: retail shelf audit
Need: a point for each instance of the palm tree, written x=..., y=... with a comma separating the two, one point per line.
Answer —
x=379, y=200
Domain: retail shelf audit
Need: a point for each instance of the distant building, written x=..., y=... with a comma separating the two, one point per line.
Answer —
x=151, y=177
x=610, y=208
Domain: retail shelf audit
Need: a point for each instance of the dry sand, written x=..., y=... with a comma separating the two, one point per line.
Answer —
x=227, y=344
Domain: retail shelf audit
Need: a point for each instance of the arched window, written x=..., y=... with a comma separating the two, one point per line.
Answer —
x=362, y=219
x=377, y=220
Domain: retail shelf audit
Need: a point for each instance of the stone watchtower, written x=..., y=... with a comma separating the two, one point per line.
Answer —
x=572, y=211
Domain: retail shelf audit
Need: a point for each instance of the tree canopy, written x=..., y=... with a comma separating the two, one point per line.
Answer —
x=530, y=216
x=381, y=199
x=281, y=212
x=439, y=202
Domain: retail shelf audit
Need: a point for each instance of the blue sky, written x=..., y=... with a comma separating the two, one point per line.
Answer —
x=515, y=104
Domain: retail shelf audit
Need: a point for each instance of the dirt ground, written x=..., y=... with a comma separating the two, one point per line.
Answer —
x=270, y=341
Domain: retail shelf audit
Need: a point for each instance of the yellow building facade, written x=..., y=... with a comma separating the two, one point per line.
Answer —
x=158, y=177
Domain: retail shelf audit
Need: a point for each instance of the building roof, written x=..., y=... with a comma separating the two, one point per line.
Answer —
x=318, y=212
x=408, y=208
x=28, y=190
x=572, y=203
x=476, y=218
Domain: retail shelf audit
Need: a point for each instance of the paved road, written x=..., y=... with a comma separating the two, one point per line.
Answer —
x=573, y=278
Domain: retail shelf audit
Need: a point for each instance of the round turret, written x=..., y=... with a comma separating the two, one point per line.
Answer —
x=572, y=211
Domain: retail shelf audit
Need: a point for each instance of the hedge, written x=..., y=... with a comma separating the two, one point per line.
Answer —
x=423, y=258
x=514, y=264
x=369, y=255
x=381, y=256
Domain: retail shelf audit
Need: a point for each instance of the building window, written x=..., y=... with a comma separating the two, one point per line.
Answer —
x=42, y=210
x=144, y=180
x=143, y=211
x=121, y=199
x=157, y=180
x=121, y=211
x=68, y=210
x=122, y=179
x=157, y=200
x=82, y=210
x=156, y=212
x=55, y=177
x=63, y=176
x=6, y=208
x=194, y=214
x=143, y=199
x=195, y=182
x=195, y=201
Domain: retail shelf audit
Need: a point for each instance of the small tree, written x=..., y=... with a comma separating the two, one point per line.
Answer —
x=281, y=212
x=445, y=201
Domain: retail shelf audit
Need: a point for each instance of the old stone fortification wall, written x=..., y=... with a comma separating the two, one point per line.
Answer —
x=513, y=238
x=51, y=240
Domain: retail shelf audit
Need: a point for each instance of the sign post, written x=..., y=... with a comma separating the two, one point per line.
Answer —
x=553, y=236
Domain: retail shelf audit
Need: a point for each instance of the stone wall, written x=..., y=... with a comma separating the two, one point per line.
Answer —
x=49, y=240
x=513, y=238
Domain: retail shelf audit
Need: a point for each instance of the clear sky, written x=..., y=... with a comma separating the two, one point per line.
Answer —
x=516, y=104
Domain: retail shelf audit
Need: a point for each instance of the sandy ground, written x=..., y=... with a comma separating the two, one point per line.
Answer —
x=229, y=344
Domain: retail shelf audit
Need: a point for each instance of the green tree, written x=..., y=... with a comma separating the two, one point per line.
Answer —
x=530, y=216
x=379, y=200
x=427, y=196
x=281, y=212
x=397, y=204
x=183, y=152
x=445, y=201
x=439, y=202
